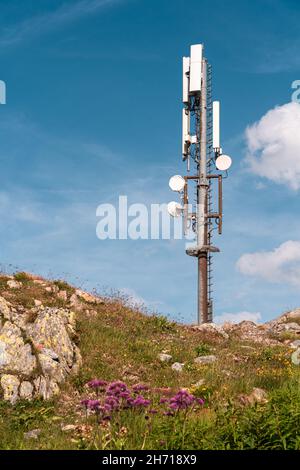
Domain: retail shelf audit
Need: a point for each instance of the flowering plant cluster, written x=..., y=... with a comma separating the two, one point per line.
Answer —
x=117, y=396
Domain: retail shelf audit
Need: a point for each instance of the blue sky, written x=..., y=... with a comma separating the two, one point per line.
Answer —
x=94, y=110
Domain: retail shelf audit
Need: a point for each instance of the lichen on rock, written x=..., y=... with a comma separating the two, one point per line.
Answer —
x=37, y=356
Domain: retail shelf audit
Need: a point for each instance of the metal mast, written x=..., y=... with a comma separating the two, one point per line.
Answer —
x=201, y=149
x=202, y=207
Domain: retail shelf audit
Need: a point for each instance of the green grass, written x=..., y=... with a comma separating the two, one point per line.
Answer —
x=119, y=343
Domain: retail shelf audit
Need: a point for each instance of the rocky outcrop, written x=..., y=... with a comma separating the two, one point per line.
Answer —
x=37, y=352
x=288, y=322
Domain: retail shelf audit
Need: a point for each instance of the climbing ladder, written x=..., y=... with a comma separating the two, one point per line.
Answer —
x=209, y=152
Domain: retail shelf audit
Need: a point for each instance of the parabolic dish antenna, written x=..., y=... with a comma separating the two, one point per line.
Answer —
x=174, y=209
x=223, y=162
x=177, y=183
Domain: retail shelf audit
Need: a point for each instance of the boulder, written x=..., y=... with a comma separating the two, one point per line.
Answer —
x=62, y=294
x=296, y=357
x=212, y=328
x=33, y=434
x=177, y=366
x=86, y=297
x=12, y=284
x=36, y=356
x=258, y=395
x=26, y=390
x=10, y=387
x=164, y=357
x=17, y=356
x=205, y=359
x=294, y=314
x=4, y=309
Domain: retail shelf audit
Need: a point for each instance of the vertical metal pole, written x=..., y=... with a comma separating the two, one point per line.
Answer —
x=201, y=205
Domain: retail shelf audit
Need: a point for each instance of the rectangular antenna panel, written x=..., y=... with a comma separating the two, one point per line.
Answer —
x=185, y=132
x=185, y=79
x=196, y=68
x=216, y=124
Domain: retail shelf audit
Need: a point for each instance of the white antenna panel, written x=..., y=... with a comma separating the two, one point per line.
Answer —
x=196, y=68
x=185, y=132
x=185, y=79
x=216, y=124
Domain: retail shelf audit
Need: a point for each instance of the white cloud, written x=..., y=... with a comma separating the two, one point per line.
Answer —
x=238, y=317
x=45, y=22
x=282, y=265
x=135, y=300
x=273, y=145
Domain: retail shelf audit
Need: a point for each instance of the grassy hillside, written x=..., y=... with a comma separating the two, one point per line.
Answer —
x=119, y=343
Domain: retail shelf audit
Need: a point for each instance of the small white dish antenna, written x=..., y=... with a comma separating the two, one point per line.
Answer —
x=174, y=209
x=223, y=162
x=177, y=183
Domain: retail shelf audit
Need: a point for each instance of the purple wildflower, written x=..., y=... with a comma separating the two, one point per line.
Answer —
x=168, y=413
x=85, y=402
x=130, y=401
x=163, y=400
x=111, y=403
x=183, y=399
x=124, y=395
x=140, y=401
x=200, y=401
x=116, y=388
x=174, y=406
x=94, y=405
x=153, y=411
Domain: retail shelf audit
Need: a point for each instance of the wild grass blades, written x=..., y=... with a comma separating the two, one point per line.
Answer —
x=116, y=401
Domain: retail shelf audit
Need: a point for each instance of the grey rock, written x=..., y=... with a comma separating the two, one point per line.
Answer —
x=35, y=357
x=258, y=395
x=295, y=344
x=51, y=353
x=45, y=388
x=77, y=361
x=76, y=303
x=292, y=326
x=26, y=390
x=4, y=358
x=86, y=297
x=49, y=330
x=205, y=359
x=17, y=356
x=199, y=383
x=68, y=427
x=52, y=369
x=33, y=434
x=294, y=314
x=4, y=309
x=212, y=328
x=62, y=294
x=177, y=366
x=164, y=357
x=10, y=386
x=296, y=357
x=12, y=284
